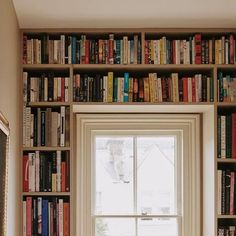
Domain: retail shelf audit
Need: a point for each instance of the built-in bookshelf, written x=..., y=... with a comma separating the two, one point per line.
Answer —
x=63, y=68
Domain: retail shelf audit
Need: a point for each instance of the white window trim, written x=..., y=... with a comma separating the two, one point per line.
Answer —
x=188, y=122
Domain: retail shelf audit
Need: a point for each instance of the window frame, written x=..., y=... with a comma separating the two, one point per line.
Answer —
x=189, y=124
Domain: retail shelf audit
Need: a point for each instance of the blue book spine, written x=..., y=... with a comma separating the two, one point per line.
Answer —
x=126, y=87
x=73, y=50
x=45, y=218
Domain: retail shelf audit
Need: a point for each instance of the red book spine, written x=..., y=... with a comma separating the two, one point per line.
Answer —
x=233, y=129
x=62, y=89
x=231, y=50
x=185, y=89
x=193, y=89
x=198, y=49
x=87, y=51
x=111, y=47
x=63, y=176
x=66, y=218
x=29, y=216
x=146, y=51
x=25, y=173
x=231, y=209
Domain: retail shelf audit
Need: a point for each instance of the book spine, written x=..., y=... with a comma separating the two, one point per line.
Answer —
x=44, y=217
x=198, y=48
x=232, y=184
x=126, y=87
x=58, y=171
x=28, y=216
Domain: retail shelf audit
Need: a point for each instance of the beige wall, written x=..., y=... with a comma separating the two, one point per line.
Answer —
x=9, y=104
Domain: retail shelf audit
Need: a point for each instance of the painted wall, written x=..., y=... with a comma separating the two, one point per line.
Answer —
x=9, y=104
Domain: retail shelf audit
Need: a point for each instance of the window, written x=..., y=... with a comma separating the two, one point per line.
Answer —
x=138, y=175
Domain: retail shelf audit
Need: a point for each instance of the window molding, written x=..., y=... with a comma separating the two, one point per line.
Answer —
x=189, y=123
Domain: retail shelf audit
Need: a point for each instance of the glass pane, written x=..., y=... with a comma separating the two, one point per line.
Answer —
x=156, y=192
x=115, y=227
x=157, y=227
x=114, y=175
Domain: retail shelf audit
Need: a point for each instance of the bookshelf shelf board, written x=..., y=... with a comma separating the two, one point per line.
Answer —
x=226, y=104
x=141, y=103
x=48, y=104
x=226, y=160
x=226, y=216
x=46, y=149
x=46, y=66
x=46, y=194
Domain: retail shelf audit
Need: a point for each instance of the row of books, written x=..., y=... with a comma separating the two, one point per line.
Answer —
x=192, y=50
x=46, y=172
x=226, y=231
x=226, y=192
x=226, y=88
x=46, y=126
x=46, y=216
x=45, y=88
x=72, y=49
x=226, y=136
x=152, y=88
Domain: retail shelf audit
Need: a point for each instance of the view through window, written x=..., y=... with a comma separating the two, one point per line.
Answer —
x=137, y=185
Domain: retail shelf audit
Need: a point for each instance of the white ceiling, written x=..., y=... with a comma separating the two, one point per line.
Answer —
x=125, y=13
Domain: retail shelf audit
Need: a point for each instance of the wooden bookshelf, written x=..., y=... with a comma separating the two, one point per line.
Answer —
x=210, y=70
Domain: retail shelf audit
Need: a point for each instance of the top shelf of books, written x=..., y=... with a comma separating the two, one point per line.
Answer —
x=130, y=48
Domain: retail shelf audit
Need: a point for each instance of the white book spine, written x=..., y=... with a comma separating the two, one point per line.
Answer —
x=219, y=192
x=58, y=171
x=39, y=200
x=189, y=89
